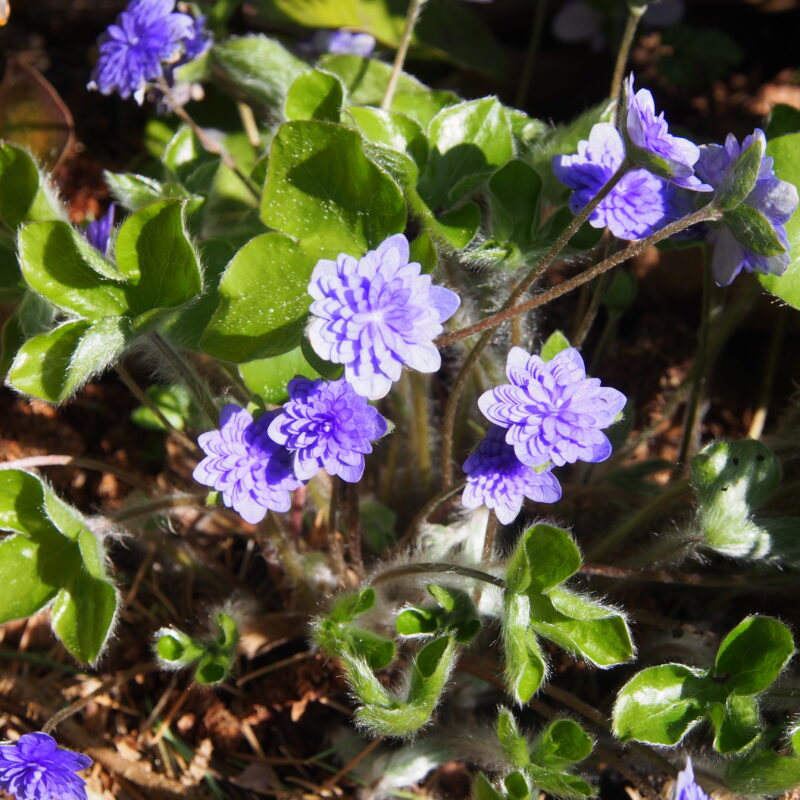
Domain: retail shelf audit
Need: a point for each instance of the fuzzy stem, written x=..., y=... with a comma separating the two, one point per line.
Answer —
x=425, y=512
x=669, y=496
x=530, y=54
x=195, y=383
x=414, y=8
x=142, y=397
x=634, y=15
x=698, y=383
x=760, y=415
x=436, y=567
x=334, y=545
x=80, y=463
x=209, y=144
x=420, y=420
x=354, y=529
x=705, y=214
x=162, y=504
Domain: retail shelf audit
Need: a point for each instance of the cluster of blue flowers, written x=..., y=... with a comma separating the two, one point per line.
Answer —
x=35, y=768
x=147, y=41
x=376, y=315
x=663, y=188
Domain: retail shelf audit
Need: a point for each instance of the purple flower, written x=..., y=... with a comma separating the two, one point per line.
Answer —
x=198, y=40
x=253, y=473
x=98, y=232
x=327, y=426
x=377, y=313
x=685, y=787
x=774, y=198
x=132, y=50
x=345, y=42
x=638, y=205
x=497, y=479
x=551, y=410
x=35, y=768
x=650, y=132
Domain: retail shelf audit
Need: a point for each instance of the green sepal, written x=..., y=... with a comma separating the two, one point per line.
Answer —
x=736, y=724
x=752, y=229
x=741, y=176
x=455, y=614
x=553, y=345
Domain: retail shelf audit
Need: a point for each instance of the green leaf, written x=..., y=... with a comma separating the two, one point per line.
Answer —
x=786, y=163
x=393, y=130
x=269, y=377
x=736, y=724
x=552, y=555
x=561, y=744
x=53, y=556
x=133, y=191
x=459, y=226
x=782, y=119
x=762, y=772
x=263, y=300
x=83, y=615
x=753, y=654
x=261, y=67
x=25, y=195
x=554, y=344
x=525, y=667
x=53, y=365
x=322, y=190
x=154, y=253
x=752, y=229
x=514, y=744
x=212, y=668
x=516, y=786
x=445, y=29
x=57, y=263
x=741, y=176
x=349, y=606
x=514, y=201
x=482, y=789
x=468, y=142
x=585, y=627
x=416, y=622
x=315, y=95
x=659, y=705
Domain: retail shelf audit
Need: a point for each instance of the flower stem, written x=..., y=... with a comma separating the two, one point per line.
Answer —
x=208, y=143
x=760, y=415
x=155, y=506
x=699, y=380
x=425, y=512
x=524, y=84
x=142, y=397
x=414, y=8
x=436, y=567
x=634, y=15
x=183, y=367
x=669, y=496
x=492, y=321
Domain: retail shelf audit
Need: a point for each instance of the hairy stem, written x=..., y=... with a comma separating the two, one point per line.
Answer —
x=524, y=85
x=142, y=397
x=494, y=320
x=423, y=514
x=435, y=567
x=699, y=380
x=183, y=367
x=760, y=415
x=634, y=15
x=414, y=7
x=163, y=504
x=669, y=496
x=209, y=144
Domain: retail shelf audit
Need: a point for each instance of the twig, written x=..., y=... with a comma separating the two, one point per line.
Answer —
x=414, y=7
x=80, y=463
